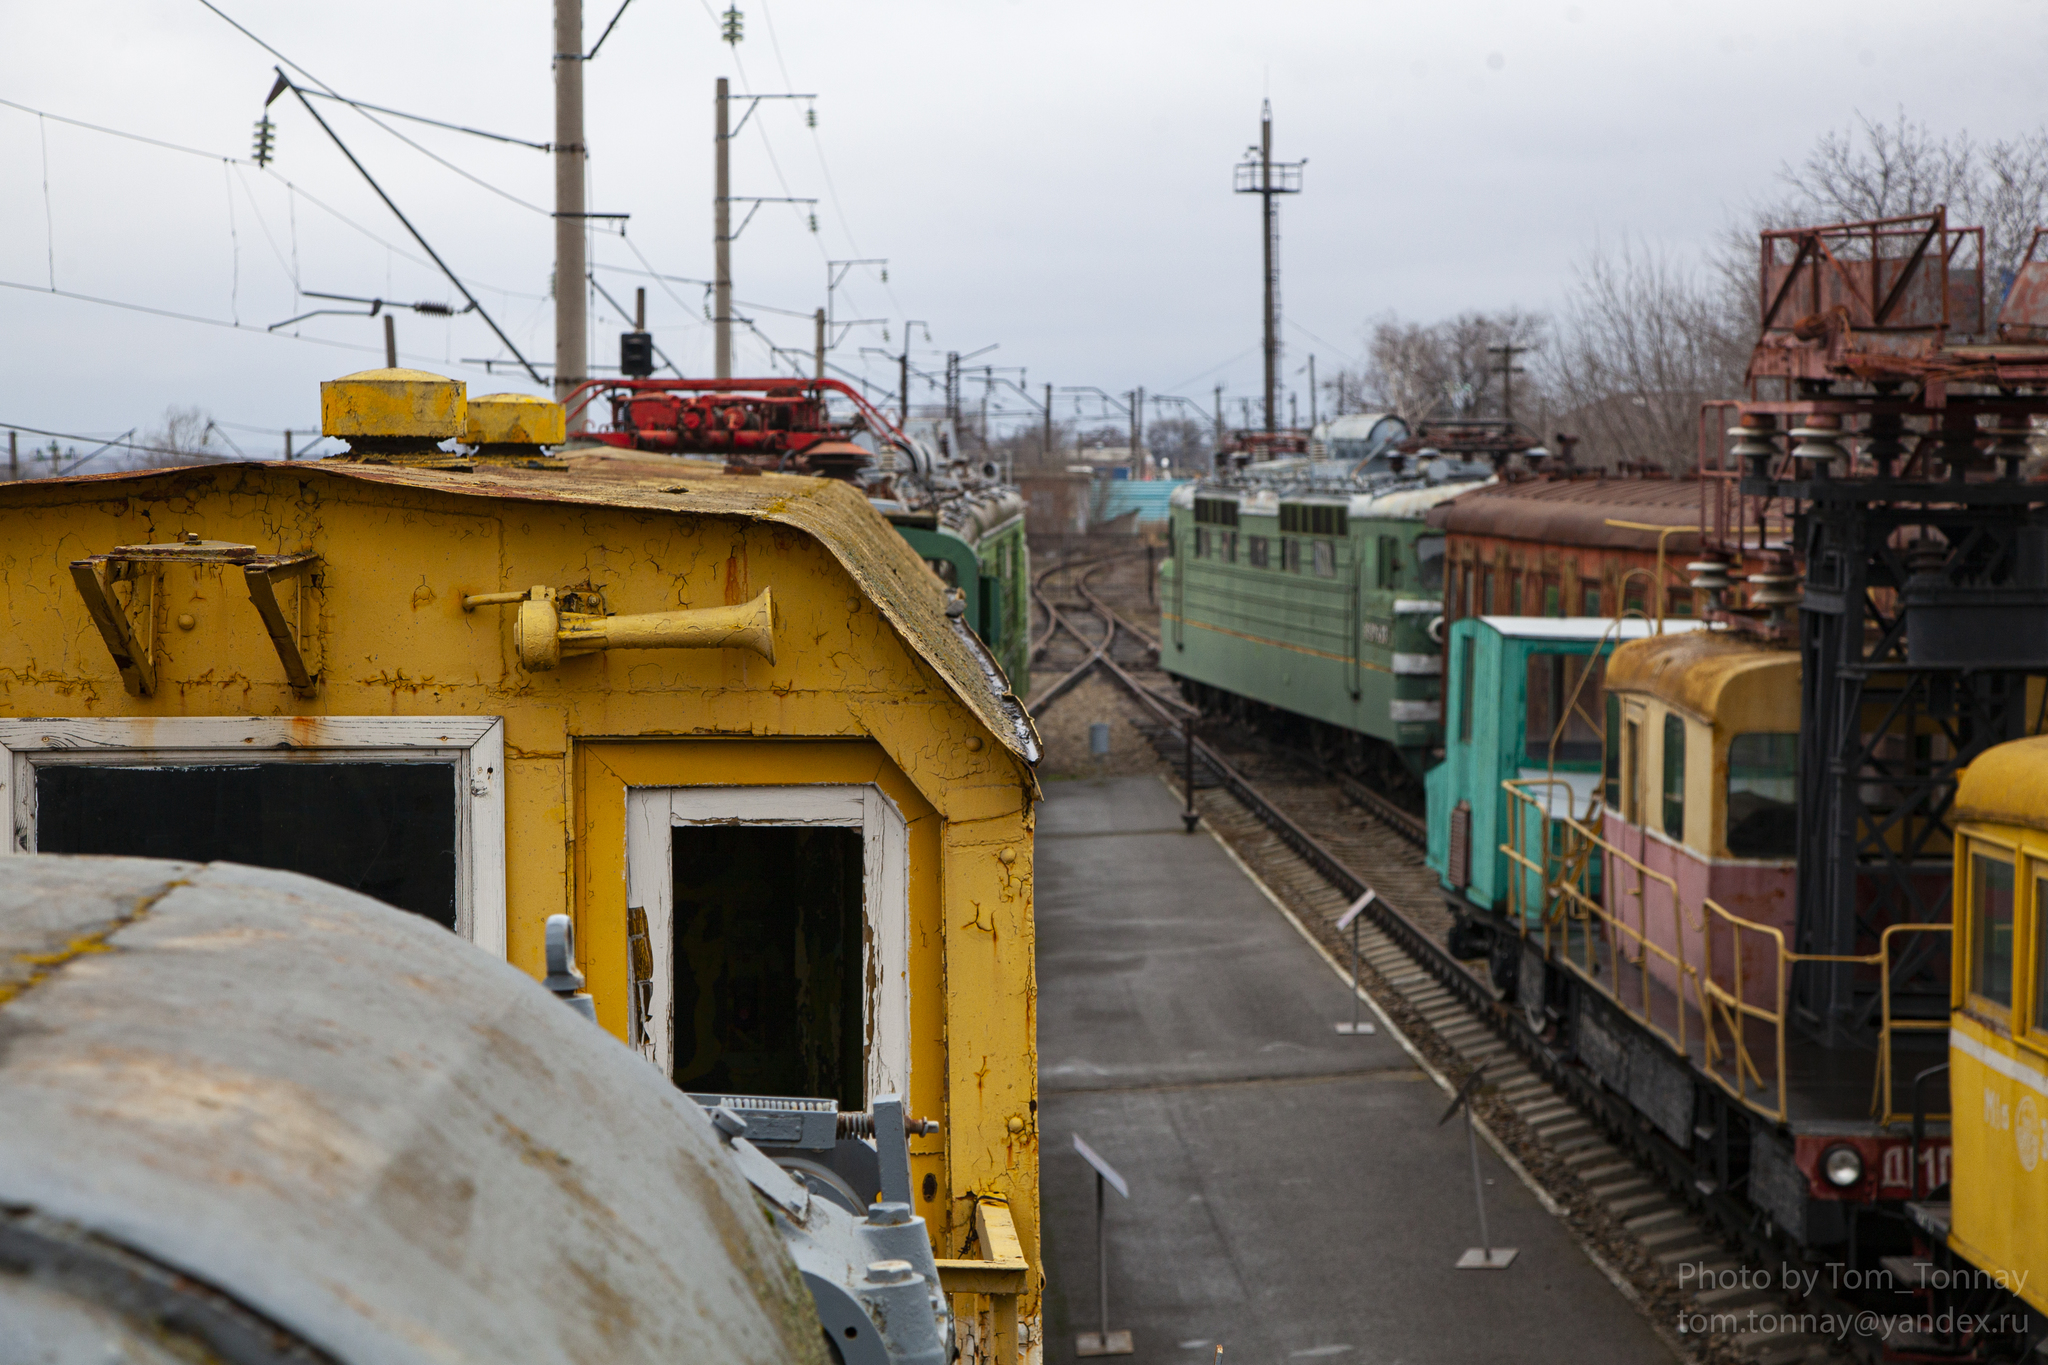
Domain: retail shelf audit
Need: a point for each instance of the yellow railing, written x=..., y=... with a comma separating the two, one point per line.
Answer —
x=1716, y=988
x=1882, y=1100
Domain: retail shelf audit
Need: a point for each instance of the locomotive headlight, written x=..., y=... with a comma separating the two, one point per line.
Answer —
x=1843, y=1166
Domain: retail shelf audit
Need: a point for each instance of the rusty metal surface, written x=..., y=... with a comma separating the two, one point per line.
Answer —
x=361, y=1128
x=892, y=574
x=1575, y=511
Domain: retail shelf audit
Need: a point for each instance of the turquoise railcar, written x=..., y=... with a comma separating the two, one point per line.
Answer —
x=1525, y=701
x=1321, y=597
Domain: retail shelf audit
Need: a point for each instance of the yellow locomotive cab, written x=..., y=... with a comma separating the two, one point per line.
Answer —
x=1998, y=1035
x=725, y=722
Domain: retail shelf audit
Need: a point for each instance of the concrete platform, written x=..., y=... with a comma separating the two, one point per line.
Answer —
x=1291, y=1196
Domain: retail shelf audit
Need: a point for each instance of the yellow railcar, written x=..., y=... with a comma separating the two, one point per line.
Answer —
x=1998, y=1030
x=732, y=724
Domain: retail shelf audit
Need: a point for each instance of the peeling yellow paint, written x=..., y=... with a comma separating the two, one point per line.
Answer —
x=871, y=684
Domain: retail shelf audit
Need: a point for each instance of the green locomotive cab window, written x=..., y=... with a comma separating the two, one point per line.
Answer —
x=1429, y=563
x=1465, y=662
x=1255, y=551
x=1674, y=776
x=1326, y=559
x=1290, y=556
x=1763, y=795
x=1991, y=930
x=1559, y=687
x=1229, y=547
x=1201, y=542
x=1613, y=748
x=1387, y=569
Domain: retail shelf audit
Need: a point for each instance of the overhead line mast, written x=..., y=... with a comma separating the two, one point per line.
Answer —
x=1260, y=174
x=572, y=346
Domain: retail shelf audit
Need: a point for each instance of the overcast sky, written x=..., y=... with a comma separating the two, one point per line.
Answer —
x=1049, y=177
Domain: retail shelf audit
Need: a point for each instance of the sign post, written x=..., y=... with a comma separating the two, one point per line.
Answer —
x=1349, y=920
x=1485, y=1256
x=1105, y=1342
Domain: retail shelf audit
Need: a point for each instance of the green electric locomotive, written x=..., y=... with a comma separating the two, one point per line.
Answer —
x=1310, y=593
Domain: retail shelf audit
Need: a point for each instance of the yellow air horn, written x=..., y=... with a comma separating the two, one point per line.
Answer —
x=543, y=634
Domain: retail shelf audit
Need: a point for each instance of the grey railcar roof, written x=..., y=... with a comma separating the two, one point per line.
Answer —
x=362, y=1128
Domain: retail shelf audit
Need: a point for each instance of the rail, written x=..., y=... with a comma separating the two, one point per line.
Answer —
x=1721, y=999
x=1892, y=1025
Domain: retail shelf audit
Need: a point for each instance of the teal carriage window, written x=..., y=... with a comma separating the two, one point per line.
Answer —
x=1763, y=795
x=1991, y=929
x=1465, y=664
x=1674, y=776
x=1558, y=686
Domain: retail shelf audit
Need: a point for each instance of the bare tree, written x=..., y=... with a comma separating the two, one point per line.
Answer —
x=1180, y=444
x=182, y=436
x=1890, y=170
x=1642, y=342
x=1442, y=369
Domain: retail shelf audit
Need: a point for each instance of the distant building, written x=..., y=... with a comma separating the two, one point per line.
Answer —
x=1114, y=458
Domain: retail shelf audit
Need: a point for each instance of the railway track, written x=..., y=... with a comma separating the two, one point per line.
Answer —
x=1319, y=841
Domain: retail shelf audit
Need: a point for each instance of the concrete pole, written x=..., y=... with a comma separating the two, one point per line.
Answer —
x=1048, y=424
x=903, y=380
x=721, y=275
x=1272, y=310
x=1311, y=390
x=820, y=320
x=1138, y=432
x=390, y=342
x=288, y=444
x=572, y=322
x=13, y=457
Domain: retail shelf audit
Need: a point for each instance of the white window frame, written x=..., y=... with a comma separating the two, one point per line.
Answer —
x=653, y=812
x=473, y=745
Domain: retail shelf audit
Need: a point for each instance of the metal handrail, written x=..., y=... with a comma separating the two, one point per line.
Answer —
x=1724, y=1007
x=1574, y=903
x=1881, y=1098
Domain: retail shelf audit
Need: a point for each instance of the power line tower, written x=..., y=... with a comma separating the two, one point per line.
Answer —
x=1507, y=372
x=1260, y=174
